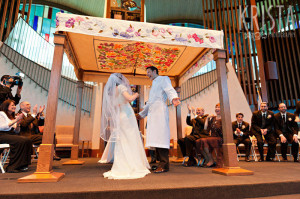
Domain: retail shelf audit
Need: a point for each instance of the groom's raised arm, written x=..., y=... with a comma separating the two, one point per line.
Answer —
x=170, y=91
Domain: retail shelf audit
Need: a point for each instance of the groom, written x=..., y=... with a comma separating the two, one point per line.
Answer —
x=158, y=130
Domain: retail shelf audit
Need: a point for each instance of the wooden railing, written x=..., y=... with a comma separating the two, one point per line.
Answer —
x=195, y=85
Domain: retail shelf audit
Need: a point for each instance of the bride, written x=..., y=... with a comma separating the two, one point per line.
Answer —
x=119, y=128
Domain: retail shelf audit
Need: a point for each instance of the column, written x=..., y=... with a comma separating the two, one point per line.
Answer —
x=75, y=147
x=229, y=148
x=44, y=172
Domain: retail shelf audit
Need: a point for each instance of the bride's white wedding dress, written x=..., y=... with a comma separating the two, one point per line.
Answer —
x=129, y=158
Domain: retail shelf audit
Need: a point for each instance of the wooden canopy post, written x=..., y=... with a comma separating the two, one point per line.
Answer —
x=179, y=127
x=44, y=172
x=229, y=148
x=141, y=105
x=75, y=147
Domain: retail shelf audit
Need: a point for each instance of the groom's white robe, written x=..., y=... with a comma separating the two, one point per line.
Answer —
x=158, y=130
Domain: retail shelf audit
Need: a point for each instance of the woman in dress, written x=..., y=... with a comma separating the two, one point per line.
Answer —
x=119, y=128
x=213, y=125
x=20, y=147
x=297, y=114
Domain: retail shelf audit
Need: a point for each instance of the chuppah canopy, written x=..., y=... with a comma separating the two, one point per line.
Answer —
x=100, y=46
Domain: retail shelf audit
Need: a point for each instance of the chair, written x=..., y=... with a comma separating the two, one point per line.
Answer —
x=4, y=155
x=64, y=137
x=36, y=149
x=252, y=150
x=254, y=144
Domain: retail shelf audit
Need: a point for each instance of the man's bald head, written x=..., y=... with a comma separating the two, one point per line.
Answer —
x=25, y=106
x=200, y=111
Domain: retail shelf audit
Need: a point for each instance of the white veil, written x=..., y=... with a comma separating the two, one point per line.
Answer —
x=110, y=124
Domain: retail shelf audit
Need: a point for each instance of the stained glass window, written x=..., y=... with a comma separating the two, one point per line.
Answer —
x=43, y=20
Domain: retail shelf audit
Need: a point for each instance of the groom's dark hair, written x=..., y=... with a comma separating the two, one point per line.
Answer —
x=153, y=68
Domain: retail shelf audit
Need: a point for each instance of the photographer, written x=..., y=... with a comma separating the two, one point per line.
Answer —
x=7, y=82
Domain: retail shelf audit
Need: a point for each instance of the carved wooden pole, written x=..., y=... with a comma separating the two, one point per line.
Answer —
x=229, y=148
x=75, y=147
x=44, y=172
x=179, y=125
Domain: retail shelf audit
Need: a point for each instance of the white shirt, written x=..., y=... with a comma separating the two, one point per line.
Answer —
x=4, y=121
x=242, y=133
x=25, y=114
x=283, y=114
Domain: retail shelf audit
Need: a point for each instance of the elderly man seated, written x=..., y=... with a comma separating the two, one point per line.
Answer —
x=186, y=144
x=241, y=131
x=29, y=125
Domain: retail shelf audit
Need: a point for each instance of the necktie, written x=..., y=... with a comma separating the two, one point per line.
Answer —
x=263, y=120
x=283, y=118
x=239, y=126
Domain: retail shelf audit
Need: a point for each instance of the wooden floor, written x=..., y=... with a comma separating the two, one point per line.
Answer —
x=86, y=181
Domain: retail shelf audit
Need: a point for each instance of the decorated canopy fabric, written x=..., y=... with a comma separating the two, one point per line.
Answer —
x=100, y=45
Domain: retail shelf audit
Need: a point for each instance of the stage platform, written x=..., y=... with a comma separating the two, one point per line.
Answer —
x=86, y=181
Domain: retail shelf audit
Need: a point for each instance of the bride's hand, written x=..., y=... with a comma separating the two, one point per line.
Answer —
x=136, y=95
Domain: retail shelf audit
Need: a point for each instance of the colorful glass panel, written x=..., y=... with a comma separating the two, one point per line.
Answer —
x=35, y=23
x=46, y=26
x=39, y=10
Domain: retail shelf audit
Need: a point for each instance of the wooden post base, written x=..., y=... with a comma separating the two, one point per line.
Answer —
x=233, y=171
x=42, y=177
x=73, y=162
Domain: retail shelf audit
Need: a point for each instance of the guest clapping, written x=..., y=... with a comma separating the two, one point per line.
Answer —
x=20, y=147
x=213, y=125
x=186, y=144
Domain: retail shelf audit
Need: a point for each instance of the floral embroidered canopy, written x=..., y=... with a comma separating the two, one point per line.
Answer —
x=100, y=46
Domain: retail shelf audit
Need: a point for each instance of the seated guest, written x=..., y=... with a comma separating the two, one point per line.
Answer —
x=287, y=130
x=241, y=134
x=30, y=122
x=262, y=125
x=29, y=125
x=297, y=115
x=20, y=147
x=186, y=144
x=213, y=125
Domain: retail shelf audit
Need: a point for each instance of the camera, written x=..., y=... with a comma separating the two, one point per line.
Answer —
x=17, y=81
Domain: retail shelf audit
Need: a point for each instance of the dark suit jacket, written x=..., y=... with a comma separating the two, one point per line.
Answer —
x=245, y=128
x=26, y=129
x=5, y=93
x=198, y=126
x=256, y=122
x=292, y=126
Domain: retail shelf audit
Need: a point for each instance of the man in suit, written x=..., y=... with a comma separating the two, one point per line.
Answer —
x=186, y=144
x=287, y=130
x=241, y=133
x=29, y=125
x=262, y=125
